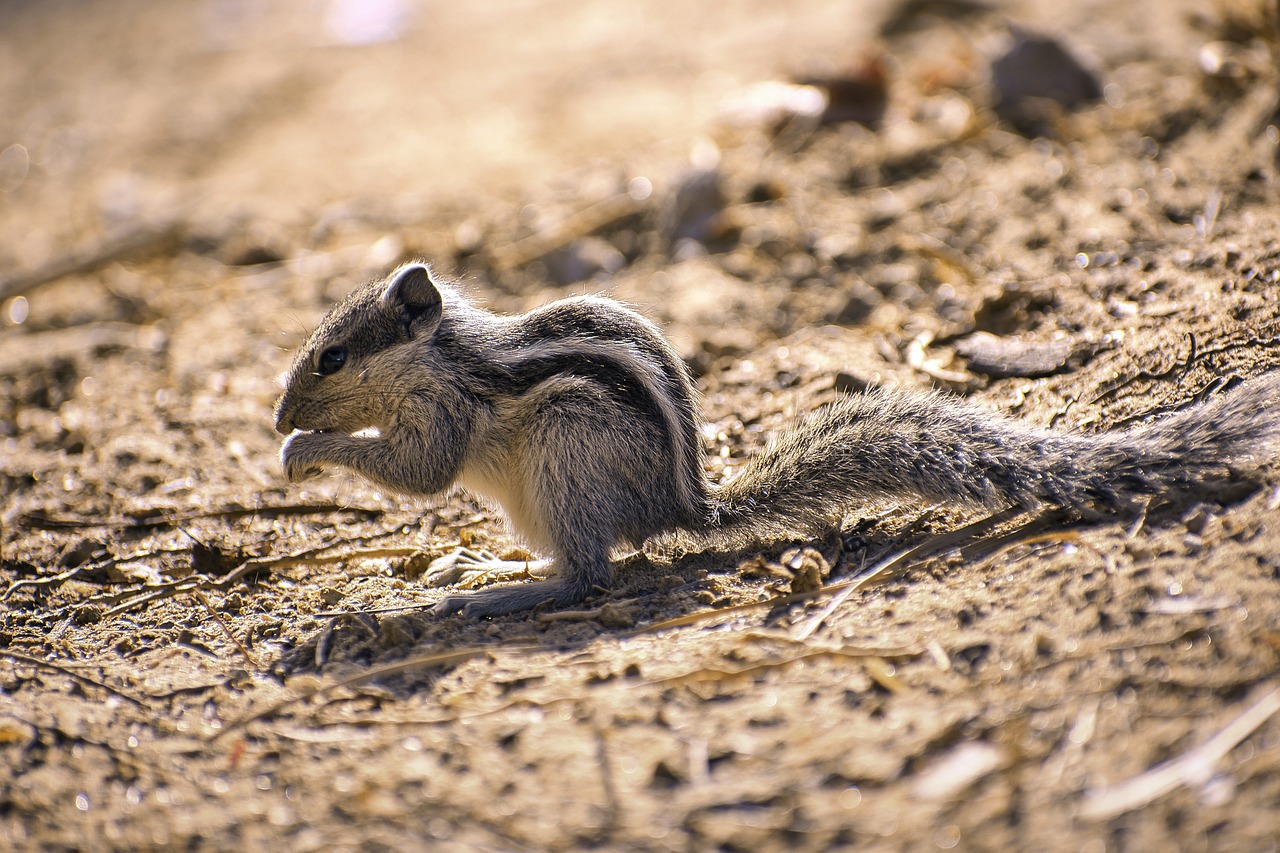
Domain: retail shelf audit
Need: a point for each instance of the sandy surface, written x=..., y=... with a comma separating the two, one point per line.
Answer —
x=194, y=654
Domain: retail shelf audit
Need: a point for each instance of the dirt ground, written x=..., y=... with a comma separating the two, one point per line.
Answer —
x=196, y=655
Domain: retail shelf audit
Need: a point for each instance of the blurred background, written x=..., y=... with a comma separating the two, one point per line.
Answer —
x=210, y=108
x=115, y=109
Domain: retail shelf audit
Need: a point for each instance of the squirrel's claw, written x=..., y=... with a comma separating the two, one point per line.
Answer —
x=296, y=474
x=296, y=468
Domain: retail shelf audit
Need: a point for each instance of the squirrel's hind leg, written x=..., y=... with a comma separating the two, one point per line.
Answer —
x=597, y=484
x=581, y=566
x=570, y=588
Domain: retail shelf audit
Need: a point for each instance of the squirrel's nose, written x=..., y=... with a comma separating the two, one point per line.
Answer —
x=284, y=418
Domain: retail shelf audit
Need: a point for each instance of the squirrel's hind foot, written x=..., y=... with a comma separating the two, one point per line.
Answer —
x=503, y=600
x=472, y=569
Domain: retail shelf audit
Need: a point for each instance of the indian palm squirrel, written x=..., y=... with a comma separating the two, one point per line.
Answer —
x=583, y=423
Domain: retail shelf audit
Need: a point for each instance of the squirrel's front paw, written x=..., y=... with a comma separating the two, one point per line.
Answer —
x=298, y=457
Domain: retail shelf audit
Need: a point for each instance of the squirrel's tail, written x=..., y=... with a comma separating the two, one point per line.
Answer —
x=940, y=448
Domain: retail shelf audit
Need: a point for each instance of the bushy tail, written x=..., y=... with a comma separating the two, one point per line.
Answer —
x=939, y=448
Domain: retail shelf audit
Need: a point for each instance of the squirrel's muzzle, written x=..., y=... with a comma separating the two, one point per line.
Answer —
x=284, y=417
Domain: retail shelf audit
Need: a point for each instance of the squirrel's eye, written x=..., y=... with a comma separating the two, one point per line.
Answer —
x=332, y=360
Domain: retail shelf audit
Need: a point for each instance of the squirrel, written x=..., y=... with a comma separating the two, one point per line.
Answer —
x=582, y=422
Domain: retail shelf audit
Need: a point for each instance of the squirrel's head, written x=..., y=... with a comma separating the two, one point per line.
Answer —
x=349, y=375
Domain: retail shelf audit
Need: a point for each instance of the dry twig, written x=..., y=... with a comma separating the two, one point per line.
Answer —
x=72, y=674
x=1190, y=768
x=877, y=572
x=217, y=617
x=572, y=227
x=257, y=564
x=140, y=239
x=65, y=522
x=397, y=668
x=1179, y=367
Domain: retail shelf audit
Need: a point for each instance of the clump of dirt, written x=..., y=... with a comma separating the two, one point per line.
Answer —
x=193, y=653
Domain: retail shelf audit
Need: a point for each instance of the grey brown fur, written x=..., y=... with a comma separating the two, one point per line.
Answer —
x=582, y=422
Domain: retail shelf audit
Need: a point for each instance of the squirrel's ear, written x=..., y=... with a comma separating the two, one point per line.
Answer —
x=413, y=297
